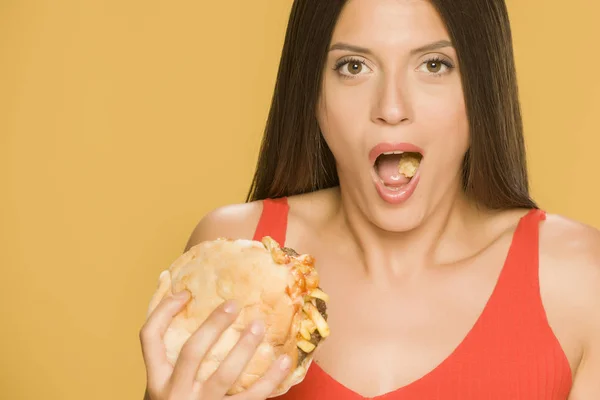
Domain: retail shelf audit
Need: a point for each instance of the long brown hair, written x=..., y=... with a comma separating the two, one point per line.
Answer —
x=294, y=157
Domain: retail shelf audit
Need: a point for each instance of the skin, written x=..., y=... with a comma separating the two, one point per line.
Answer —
x=410, y=259
x=166, y=382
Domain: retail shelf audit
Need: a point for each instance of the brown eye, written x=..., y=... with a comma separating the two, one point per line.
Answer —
x=352, y=68
x=434, y=66
x=355, y=68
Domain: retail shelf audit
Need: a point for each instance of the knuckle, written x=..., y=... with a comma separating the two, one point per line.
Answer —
x=266, y=385
x=249, y=342
x=221, y=317
x=191, y=348
x=187, y=351
x=216, y=323
x=144, y=333
x=262, y=389
x=221, y=379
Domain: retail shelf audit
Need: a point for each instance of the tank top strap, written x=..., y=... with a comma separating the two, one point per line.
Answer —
x=518, y=284
x=524, y=252
x=273, y=220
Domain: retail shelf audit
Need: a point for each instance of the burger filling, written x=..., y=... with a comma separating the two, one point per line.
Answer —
x=315, y=336
x=308, y=296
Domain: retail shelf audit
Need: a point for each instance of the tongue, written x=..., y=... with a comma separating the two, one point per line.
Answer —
x=387, y=169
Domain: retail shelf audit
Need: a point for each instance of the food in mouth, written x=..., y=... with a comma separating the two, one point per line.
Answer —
x=268, y=282
x=395, y=169
x=409, y=163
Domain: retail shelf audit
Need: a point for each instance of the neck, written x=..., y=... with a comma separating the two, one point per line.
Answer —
x=443, y=235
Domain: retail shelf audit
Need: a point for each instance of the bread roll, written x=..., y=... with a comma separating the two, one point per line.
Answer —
x=276, y=285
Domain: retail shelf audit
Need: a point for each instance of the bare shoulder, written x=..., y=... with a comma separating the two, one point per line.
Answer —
x=571, y=248
x=570, y=262
x=235, y=221
x=570, y=289
x=239, y=221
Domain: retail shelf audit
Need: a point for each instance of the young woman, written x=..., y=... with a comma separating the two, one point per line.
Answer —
x=449, y=285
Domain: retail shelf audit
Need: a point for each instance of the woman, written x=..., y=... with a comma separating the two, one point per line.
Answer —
x=451, y=284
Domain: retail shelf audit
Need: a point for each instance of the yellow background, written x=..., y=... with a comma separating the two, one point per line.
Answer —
x=123, y=121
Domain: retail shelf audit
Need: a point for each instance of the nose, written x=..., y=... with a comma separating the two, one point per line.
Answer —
x=392, y=106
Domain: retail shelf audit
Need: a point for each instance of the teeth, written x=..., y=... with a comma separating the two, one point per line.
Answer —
x=392, y=152
x=394, y=189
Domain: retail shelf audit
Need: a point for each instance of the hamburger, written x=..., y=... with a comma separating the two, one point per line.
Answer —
x=268, y=282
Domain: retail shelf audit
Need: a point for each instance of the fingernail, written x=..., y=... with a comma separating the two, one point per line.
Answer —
x=257, y=328
x=230, y=307
x=285, y=362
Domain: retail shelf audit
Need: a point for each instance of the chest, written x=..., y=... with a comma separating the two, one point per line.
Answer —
x=416, y=329
x=400, y=331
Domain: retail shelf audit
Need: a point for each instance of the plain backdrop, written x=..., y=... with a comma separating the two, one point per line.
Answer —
x=122, y=122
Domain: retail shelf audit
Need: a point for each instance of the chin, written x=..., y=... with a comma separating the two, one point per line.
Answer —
x=401, y=216
x=406, y=218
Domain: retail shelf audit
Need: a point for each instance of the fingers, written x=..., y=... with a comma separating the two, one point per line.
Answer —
x=266, y=385
x=235, y=362
x=196, y=347
x=151, y=334
x=164, y=287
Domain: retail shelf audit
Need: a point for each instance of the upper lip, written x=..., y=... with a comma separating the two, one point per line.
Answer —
x=387, y=147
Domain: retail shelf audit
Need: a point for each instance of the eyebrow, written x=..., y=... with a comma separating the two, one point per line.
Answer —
x=440, y=44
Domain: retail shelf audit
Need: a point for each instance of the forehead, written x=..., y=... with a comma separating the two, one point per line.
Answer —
x=389, y=23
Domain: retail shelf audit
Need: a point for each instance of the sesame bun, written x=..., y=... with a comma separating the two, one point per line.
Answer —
x=276, y=285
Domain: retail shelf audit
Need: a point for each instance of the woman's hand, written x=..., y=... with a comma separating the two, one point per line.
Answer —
x=167, y=382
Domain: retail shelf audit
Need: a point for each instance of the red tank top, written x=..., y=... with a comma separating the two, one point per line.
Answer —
x=510, y=353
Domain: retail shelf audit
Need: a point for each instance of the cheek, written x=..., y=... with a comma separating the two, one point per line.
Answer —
x=341, y=119
x=446, y=120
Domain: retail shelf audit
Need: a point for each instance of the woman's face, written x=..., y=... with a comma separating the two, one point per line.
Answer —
x=391, y=84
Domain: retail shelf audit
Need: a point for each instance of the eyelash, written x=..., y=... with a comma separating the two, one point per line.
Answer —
x=347, y=60
x=437, y=59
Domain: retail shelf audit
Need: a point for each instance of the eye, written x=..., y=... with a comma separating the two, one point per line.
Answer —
x=351, y=67
x=436, y=66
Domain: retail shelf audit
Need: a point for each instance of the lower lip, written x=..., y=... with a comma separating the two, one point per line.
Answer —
x=397, y=196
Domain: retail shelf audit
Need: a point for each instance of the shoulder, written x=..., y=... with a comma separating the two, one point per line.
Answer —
x=570, y=278
x=236, y=221
x=569, y=235
x=240, y=220
x=572, y=248
x=570, y=252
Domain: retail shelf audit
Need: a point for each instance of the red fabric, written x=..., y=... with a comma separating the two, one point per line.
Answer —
x=510, y=353
x=273, y=220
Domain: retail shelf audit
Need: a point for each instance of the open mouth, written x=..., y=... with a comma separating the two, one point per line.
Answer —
x=395, y=169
